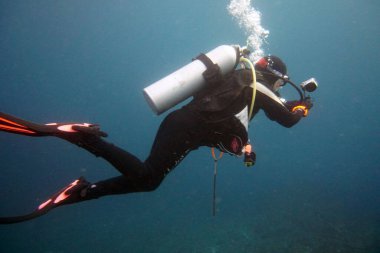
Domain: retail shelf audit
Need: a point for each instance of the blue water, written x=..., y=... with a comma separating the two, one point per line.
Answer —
x=315, y=187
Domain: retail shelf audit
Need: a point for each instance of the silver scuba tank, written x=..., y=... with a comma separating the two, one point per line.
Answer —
x=188, y=80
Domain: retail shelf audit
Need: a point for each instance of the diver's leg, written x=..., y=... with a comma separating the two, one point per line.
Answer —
x=178, y=134
x=173, y=142
x=89, y=137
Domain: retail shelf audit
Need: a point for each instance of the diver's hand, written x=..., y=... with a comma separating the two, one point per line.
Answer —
x=307, y=102
x=301, y=108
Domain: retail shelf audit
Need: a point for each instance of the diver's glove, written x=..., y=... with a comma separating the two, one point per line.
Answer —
x=304, y=106
x=301, y=108
x=307, y=102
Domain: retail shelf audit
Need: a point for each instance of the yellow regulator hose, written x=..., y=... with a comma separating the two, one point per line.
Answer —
x=253, y=85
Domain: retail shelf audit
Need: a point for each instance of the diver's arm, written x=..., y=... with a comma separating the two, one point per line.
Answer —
x=277, y=111
x=291, y=104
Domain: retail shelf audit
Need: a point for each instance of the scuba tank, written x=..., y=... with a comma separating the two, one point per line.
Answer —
x=188, y=80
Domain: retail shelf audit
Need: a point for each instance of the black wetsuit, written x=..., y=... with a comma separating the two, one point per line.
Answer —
x=208, y=120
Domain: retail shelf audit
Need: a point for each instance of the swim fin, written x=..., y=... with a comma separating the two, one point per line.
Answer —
x=74, y=192
x=12, y=124
x=84, y=135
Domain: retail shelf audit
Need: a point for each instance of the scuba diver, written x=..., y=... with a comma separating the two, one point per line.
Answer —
x=217, y=117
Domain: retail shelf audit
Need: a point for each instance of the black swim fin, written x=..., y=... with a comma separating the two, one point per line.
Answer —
x=84, y=135
x=12, y=124
x=74, y=192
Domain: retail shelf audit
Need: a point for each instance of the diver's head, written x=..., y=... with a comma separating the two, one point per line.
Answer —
x=272, y=70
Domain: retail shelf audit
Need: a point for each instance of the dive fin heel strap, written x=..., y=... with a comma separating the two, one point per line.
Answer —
x=74, y=192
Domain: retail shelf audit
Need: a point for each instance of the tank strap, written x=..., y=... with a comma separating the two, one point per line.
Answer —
x=212, y=73
x=205, y=60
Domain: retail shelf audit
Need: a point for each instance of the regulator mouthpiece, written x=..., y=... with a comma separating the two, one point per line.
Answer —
x=309, y=85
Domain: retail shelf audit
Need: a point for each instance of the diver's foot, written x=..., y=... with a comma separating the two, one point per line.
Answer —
x=77, y=128
x=87, y=136
x=91, y=129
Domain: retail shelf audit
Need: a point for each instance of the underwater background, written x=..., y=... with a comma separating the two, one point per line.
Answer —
x=315, y=187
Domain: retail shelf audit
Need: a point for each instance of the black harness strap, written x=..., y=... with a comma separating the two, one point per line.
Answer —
x=212, y=73
x=205, y=60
